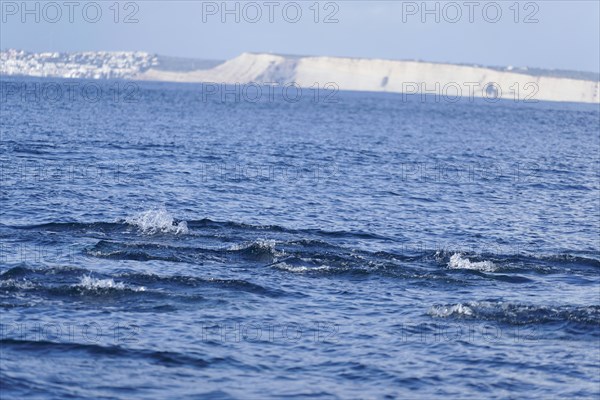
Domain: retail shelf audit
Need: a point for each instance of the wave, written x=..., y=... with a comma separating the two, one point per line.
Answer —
x=518, y=314
x=167, y=358
x=300, y=268
x=230, y=243
x=567, y=258
x=519, y=263
x=75, y=227
x=88, y=282
x=21, y=271
x=261, y=249
x=264, y=244
x=207, y=223
x=449, y=310
x=157, y=221
x=16, y=284
x=52, y=281
x=457, y=261
x=146, y=252
x=193, y=282
x=327, y=258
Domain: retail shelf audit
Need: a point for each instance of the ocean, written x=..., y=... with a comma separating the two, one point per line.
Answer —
x=157, y=242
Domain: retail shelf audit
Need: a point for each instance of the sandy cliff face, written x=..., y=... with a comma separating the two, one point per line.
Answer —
x=245, y=68
x=446, y=80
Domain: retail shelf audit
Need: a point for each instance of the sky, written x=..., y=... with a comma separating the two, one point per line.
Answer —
x=552, y=34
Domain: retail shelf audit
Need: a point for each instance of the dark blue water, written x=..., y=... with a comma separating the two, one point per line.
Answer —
x=164, y=246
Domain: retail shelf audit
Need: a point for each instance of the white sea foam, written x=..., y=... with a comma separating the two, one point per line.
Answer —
x=157, y=221
x=267, y=244
x=16, y=283
x=446, y=311
x=457, y=261
x=299, y=268
x=90, y=283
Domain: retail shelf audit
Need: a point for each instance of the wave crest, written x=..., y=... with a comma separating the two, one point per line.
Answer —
x=300, y=268
x=457, y=261
x=517, y=313
x=446, y=311
x=158, y=221
x=88, y=282
x=260, y=249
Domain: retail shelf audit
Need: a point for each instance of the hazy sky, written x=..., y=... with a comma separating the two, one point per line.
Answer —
x=548, y=34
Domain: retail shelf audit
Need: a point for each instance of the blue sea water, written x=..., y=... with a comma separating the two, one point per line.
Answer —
x=160, y=244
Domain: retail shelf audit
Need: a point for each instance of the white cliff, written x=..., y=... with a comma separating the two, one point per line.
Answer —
x=448, y=81
x=412, y=77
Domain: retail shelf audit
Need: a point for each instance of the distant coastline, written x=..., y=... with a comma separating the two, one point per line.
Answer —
x=373, y=75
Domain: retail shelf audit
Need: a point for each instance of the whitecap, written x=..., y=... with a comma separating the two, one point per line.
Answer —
x=266, y=244
x=299, y=268
x=16, y=283
x=458, y=262
x=90, y=283
x=157, y=221
x=446, y=311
